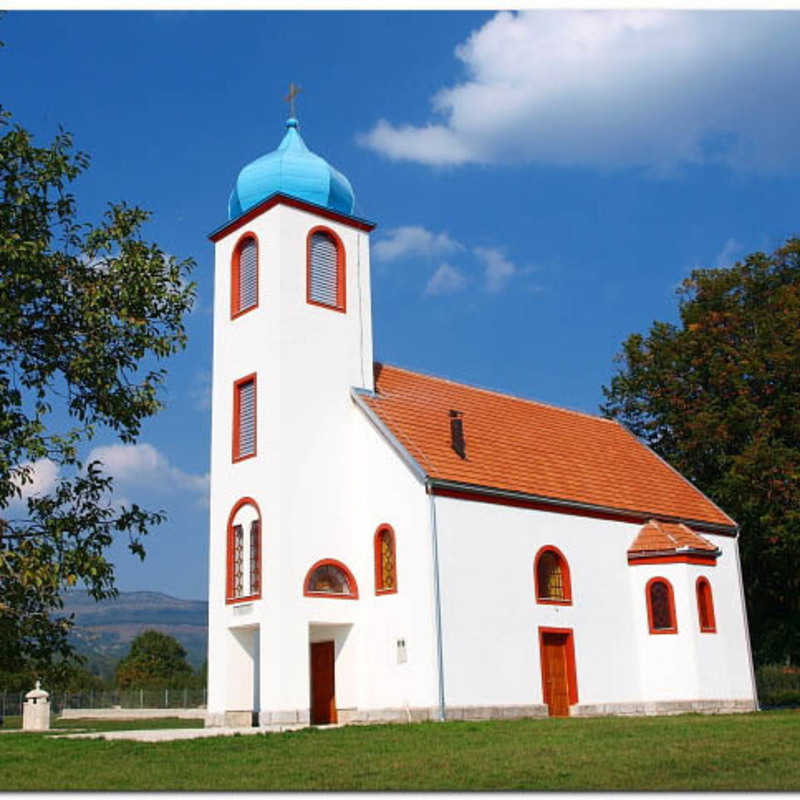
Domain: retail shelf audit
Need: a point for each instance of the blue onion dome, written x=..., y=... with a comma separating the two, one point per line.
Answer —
x=294, y=170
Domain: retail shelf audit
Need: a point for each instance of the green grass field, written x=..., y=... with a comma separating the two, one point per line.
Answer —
x=752, y=751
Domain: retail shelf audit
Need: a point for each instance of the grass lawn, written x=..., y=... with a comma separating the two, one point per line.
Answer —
x=747, y=751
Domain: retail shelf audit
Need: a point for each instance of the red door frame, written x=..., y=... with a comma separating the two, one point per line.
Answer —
x=572, y=675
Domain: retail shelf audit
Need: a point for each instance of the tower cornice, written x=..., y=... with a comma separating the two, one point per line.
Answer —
x=284, y=199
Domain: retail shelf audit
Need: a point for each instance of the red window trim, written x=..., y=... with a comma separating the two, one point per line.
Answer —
x=376, y=544
x=235, y=310
x=229, y=598
x=703, y=581
x=237, y=418
x=343, y=567
x=565, y=577
x=341, y=271
x=671, y=601
x=572, y=672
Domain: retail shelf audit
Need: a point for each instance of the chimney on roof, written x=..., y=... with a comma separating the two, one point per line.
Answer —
x=457, y=433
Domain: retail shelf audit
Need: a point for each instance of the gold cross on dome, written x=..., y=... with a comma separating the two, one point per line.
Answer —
x=293, y=92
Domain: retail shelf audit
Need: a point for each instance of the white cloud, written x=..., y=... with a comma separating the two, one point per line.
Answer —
x=414, y=240
x=430, y=144
x=654, y=89
x=446, y=280
x=731, y=251
x=498, y=270
x=43, y=474
x=143, y=465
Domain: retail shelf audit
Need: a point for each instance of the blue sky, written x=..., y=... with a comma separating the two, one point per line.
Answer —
x=541, y=181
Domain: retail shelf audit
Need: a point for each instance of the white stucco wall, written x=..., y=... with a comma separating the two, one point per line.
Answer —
x=491, y=619
x=323, y=479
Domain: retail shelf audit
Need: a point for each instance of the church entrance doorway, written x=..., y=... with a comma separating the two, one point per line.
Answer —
x=559, y=685
x=323, y=683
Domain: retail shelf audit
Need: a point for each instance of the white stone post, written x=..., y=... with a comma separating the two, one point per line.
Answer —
x=36, y=711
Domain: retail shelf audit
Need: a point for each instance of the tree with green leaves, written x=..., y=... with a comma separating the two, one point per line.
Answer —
x=718, y=396
x=156, y=660
x=87, y=313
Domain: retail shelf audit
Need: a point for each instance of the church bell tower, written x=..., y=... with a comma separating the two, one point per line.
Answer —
x=292, y=335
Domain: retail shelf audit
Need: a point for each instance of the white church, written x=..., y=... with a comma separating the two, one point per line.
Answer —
x=392, y=546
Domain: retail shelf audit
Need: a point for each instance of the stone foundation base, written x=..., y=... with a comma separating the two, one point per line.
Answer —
x=369, y=716
x=664, y=707
x=358, y=716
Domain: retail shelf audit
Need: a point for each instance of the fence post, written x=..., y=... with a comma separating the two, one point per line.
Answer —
x=141, y=698
x=166, y=698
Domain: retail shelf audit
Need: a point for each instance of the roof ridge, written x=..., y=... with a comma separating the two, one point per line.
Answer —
x=496, y=393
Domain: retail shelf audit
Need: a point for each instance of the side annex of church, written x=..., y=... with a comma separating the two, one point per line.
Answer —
x=391, y=546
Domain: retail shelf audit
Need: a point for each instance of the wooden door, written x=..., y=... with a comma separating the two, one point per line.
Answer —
x=323, y=687
x=555, y=675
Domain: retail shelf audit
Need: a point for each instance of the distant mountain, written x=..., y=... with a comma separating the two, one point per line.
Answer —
x=103, y=630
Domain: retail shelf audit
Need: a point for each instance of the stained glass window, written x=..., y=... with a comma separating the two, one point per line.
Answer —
x=255, y=561
x=238, y=561
x=705, y=606
x=329, y=579
x=660, y=606
x=550, y=577
x=243, y=579
x=386, y=567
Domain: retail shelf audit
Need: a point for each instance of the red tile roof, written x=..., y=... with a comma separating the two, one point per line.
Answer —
x=660, y=537
x=531, y=448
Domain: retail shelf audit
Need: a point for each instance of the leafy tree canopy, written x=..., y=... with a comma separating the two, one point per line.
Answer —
x=718, y=396
x=156, y=660
x=86, y=313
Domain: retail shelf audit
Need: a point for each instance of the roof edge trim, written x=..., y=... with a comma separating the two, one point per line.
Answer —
x=358, y=398
x=278, y=197
x=505, y=496
x=682, y=551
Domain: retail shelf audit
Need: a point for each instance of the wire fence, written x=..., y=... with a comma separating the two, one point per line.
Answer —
x=11, y=702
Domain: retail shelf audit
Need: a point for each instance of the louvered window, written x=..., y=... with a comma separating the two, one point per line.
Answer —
x=245, y=419
x=325, y=275
x=247, y=288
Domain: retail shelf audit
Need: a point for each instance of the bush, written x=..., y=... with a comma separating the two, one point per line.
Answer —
x=778, y=685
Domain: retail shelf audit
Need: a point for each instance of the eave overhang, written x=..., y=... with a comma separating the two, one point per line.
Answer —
x=288, y=200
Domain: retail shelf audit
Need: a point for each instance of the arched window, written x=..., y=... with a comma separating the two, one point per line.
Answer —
x=551, y=577
x=244, y=552
x=705, y=606
x=660, y=606
x=326, y=269
x=330, y=578
x=244, y=275
x=385, y=560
